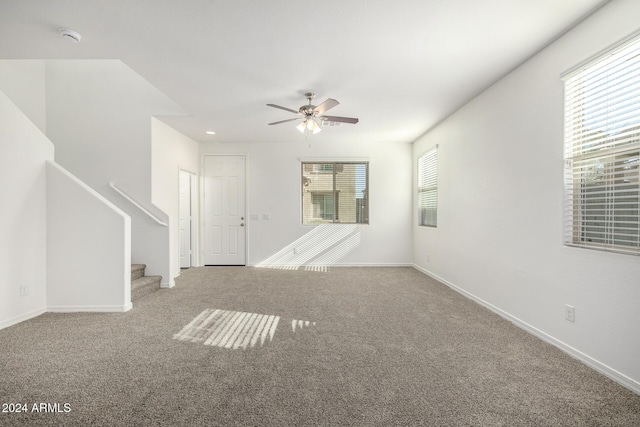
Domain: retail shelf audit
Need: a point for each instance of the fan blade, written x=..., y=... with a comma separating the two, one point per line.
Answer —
x=339, y=119
x=326, y=105
x=284, y=121
x=283, y=108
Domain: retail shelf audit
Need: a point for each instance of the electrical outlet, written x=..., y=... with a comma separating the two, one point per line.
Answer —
x=570, y=313
x=24, y=290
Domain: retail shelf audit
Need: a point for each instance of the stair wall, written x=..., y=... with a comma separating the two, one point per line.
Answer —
x=88, y=247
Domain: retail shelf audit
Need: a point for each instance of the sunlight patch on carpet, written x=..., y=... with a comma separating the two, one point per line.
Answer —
x=233, y=329
x=229, y=329
x=300, y=324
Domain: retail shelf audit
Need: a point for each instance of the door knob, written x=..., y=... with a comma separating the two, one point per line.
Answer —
x=242, y=224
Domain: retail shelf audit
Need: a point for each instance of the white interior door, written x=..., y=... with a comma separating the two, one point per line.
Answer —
x=224, y=210
x=186, y=219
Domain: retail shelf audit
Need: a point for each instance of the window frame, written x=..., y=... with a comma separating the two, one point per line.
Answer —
x=427, y=182
x=601, y=149
x=318, y=166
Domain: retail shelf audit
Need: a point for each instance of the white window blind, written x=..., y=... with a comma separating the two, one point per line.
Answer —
x=602, y=152
x=335, y=192
x=428, y=188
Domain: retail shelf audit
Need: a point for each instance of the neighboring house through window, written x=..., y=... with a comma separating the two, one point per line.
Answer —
x=335, y=192
x=602, y=151
x=324, y=205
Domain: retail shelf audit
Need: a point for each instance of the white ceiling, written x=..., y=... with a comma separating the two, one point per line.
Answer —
x=399, y=66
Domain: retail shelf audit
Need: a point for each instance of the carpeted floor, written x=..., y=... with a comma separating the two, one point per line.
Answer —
x=351, y=347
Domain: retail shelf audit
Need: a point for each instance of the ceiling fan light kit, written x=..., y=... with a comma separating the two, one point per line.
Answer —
x=302, y=127
x=309, y=124
x=311, y=114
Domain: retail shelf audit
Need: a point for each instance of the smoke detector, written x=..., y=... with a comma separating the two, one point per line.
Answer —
x=69, y=34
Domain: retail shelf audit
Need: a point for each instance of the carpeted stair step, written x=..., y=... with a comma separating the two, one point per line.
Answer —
x=144, y=286
x=137, y=271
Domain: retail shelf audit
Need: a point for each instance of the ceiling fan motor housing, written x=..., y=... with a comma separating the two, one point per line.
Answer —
x=308, y=110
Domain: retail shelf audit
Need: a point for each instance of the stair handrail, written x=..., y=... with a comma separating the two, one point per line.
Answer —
x=136, y=204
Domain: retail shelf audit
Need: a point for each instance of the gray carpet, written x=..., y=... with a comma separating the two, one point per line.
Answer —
x=374, y=347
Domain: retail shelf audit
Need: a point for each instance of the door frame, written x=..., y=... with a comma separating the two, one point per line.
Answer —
x=201, y=228
x=193, y=236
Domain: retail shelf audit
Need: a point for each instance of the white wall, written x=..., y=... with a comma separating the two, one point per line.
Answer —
x=499, y=235
x=23, y=81
x=99, y=118
x=273, y=188
x=171, y=152
x=88, y=248
x=24, y=151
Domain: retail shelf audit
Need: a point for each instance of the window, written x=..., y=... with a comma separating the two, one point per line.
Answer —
x=602, y=152
x=428, y=188
x=335, y=192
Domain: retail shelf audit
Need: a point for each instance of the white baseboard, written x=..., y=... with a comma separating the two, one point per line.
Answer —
x=22, y=317
x=607, y=371
x=171, y=283
x=90, y=308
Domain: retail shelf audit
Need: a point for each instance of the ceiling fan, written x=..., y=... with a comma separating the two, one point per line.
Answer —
x=311, y=114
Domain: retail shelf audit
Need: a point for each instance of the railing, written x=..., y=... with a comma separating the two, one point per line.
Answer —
x=136, y=204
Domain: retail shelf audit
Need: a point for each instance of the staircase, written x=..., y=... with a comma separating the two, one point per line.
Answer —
x=142, y=285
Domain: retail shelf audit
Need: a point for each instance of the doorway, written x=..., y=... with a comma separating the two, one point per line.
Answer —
x=224, y=210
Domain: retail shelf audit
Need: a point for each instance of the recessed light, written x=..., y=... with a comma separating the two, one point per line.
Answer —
x=210, y=132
